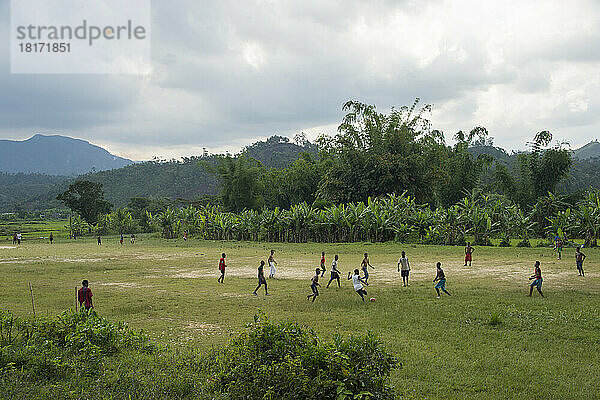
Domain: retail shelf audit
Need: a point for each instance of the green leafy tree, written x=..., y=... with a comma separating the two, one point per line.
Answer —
x=86, y=199
x=241, y=185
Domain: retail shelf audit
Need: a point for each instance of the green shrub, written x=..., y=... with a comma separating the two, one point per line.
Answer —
x=288, y=361
x=75, y=342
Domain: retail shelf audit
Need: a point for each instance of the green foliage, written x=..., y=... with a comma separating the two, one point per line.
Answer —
x=288, y=361
x=241, y=186
x=74, y=344
x=86, y=199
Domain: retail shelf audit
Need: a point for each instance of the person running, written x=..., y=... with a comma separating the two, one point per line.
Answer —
x=537, y=279
x=19, y=237
x=364, y=264
x=84, y=295
x=51, y=238
x=322, y=263
x=261, y=279
x=404, y=268
x=99, y=240
x=440, y=277
x=314, y=285
x=222, y=267
x=357, y=282
x=579, y=258
x=469, y=253
x=132, y=238
x=559, y=246
x=121, y=240
x=272, y=264
x=335, y=273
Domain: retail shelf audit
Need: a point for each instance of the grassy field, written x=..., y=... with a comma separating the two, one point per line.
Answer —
x=489, y=340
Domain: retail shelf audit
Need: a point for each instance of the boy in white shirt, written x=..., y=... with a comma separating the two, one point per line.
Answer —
x=404, y=268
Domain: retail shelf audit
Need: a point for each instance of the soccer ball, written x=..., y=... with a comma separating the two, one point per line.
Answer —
x=372, y=299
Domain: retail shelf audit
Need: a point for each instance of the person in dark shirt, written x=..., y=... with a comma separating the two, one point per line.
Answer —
x=261, y=279
x=537, y=279
x=84, y=295
x=579, y=258
x=469, y=254
x=99, y=240
x=440, y=277
x=222, y=268
x=121, y=240
x=335, y=273
x=314, y=285
x=51, y=238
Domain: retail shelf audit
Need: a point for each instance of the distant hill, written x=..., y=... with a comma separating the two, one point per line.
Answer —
x=183, y=179
x=278, y=151
x=590, y=150
x=56, y=155
x=18, y=188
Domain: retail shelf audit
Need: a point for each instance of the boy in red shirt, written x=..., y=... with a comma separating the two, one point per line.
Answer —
x=322, y=263
x=222, y=268
x=84, y=295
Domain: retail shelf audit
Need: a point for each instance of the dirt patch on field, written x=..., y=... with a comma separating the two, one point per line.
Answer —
x=8, y=247
x=124, y=285
x=203, y=328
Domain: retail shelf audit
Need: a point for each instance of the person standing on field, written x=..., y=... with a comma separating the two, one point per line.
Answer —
x=314, y=285
x=261, y=279
x=579, y=258
x=537, y=279
x=222, y=267
x=19, y=237
x=404, y=268
x=84, y=295
x=322, y=264
x=51, y=238
x=335, y=273
x=272, y=264
x=132, y=238
x=99, y=240
x=363, y=265
x=14, y=238
x=559, y=246
x=469, y=253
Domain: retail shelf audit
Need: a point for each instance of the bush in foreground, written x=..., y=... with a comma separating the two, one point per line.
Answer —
x=288, y=361
x=85, y=356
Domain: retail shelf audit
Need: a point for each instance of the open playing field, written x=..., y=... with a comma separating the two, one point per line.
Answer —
x=449, y=347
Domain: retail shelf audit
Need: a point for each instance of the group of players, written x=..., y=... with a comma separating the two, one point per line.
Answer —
x=360, y=282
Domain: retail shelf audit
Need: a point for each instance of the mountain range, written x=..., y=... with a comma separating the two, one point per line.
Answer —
x=56, y=155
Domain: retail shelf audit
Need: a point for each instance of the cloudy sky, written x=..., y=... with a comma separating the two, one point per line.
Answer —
x=225, y=73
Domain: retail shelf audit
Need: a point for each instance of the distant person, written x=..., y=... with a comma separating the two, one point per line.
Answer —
x=99, y=240
x=364, y=264
x=121, y=239
x=14, y=238
x=558, y=246
x=579, y=258
x=440, y=277
x=132, y=238
x=322, y=263
x=185, y=236
x=19, y=237
x=84, y=295
x=272, y=264
x=357, y=282
x=314, y=285
x=537, y=279
x=222, y=267
x=335, y=273
x=404, y=268
x=261, y=279
x=469, y=253
x=51, y=238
